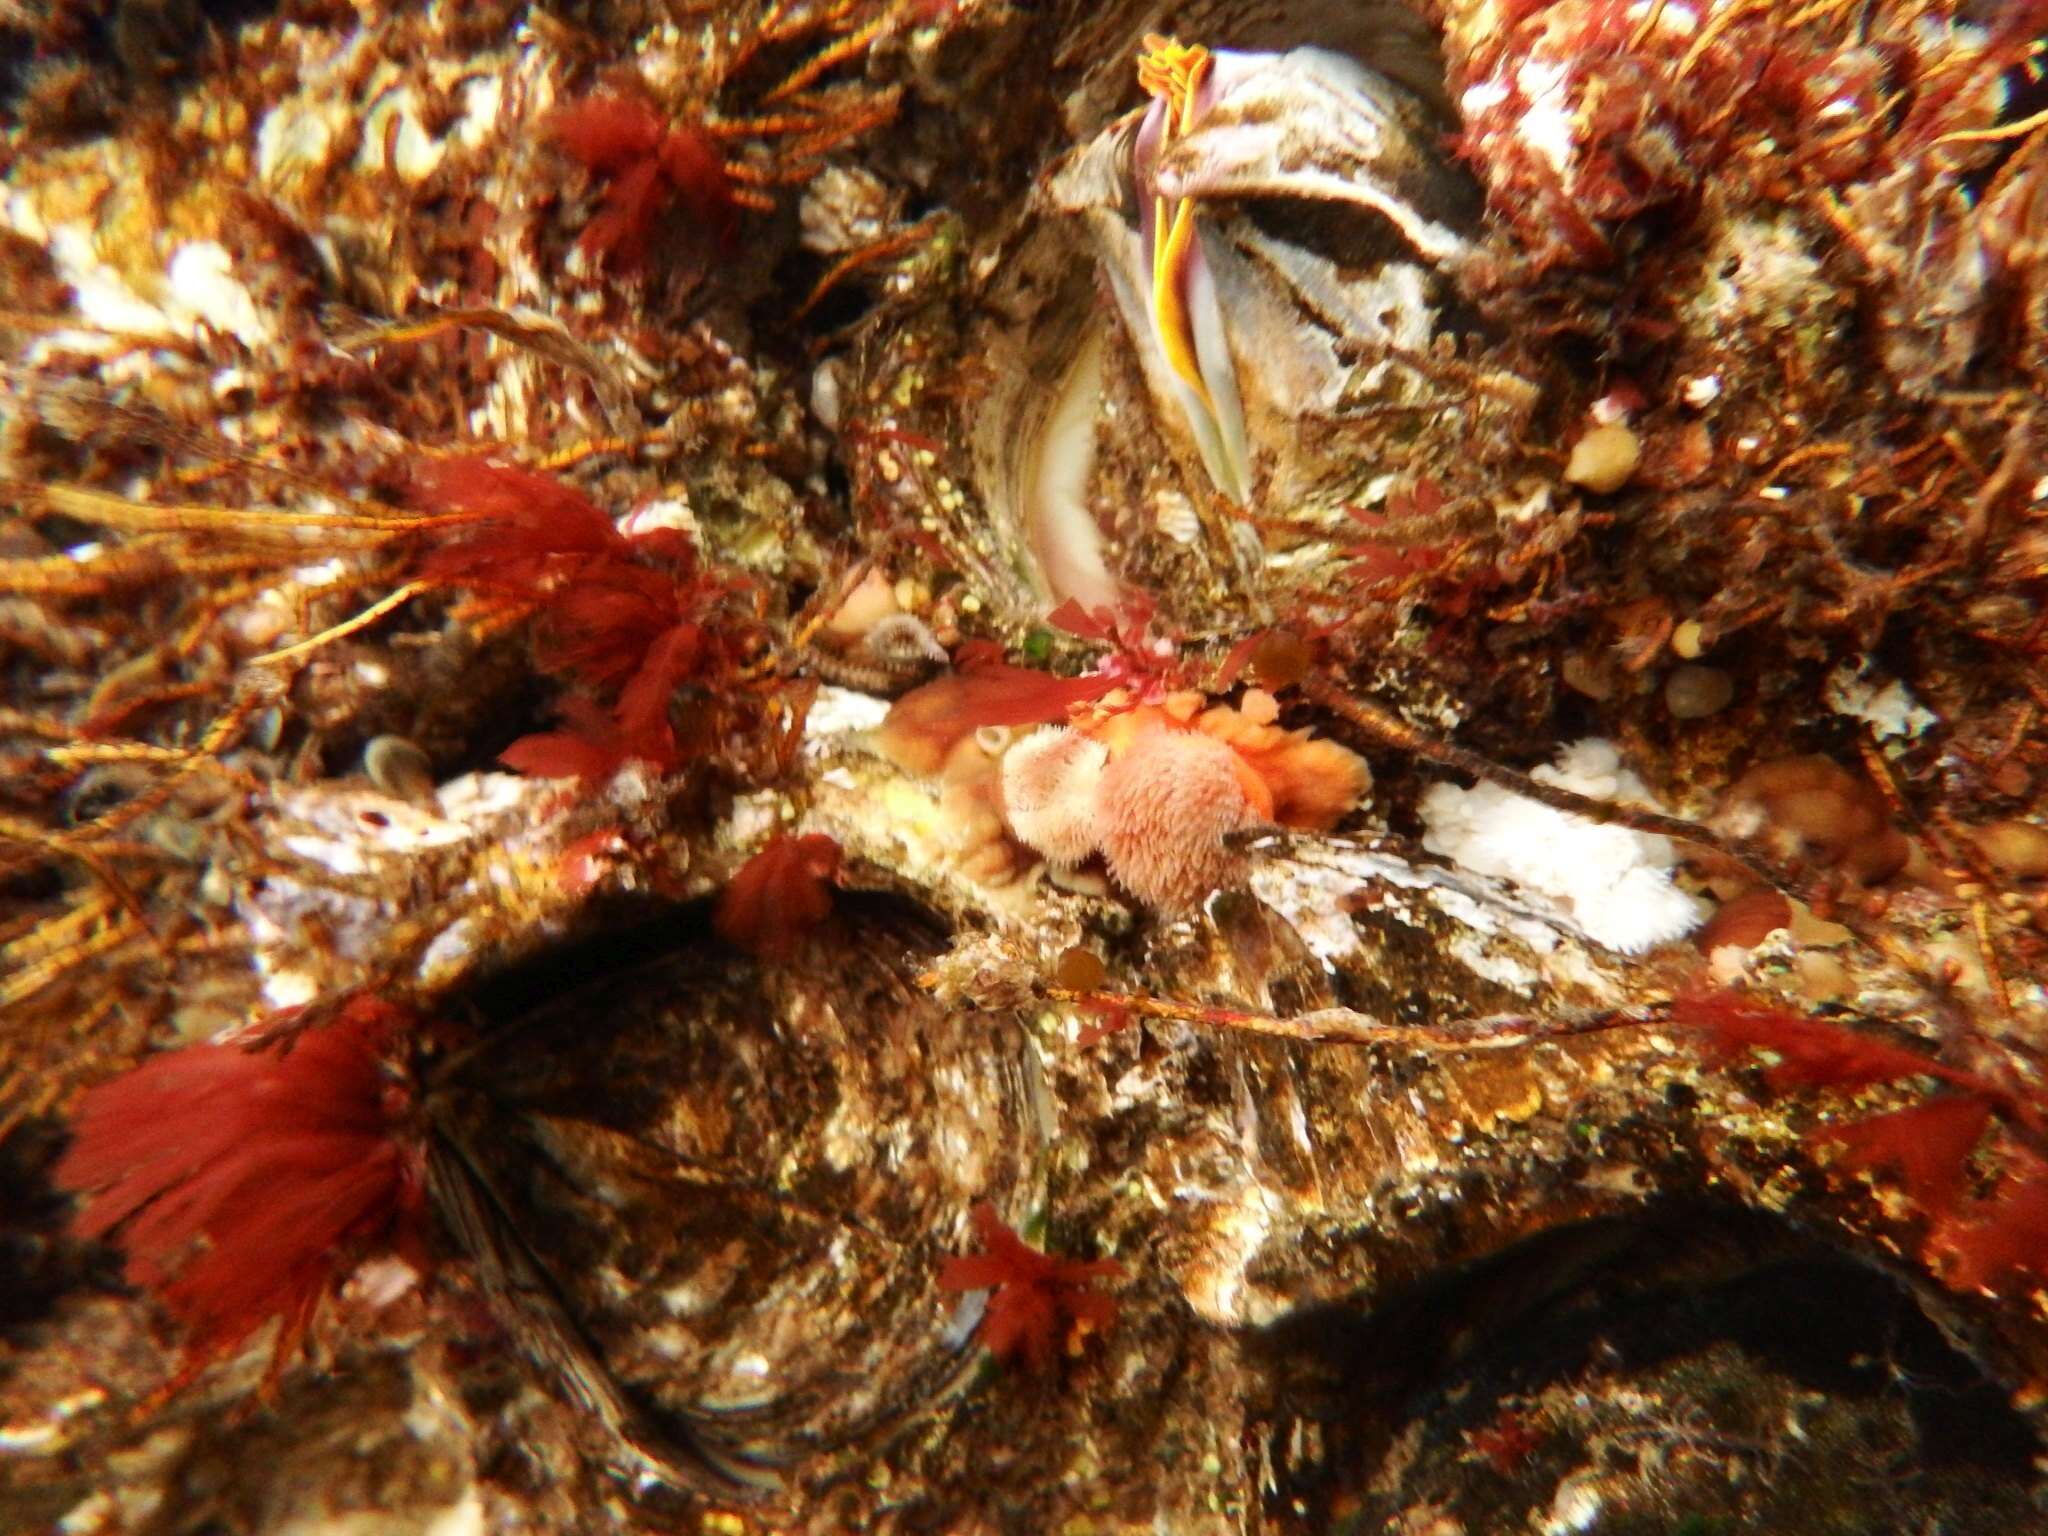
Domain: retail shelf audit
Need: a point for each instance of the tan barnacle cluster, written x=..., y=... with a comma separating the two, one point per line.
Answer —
x=872, y=640
x=1154, y=791
x=965, y=765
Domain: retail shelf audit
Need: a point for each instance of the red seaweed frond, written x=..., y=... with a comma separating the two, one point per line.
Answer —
x=648, y=166
x=1387, y=553
x=1109, y=1018
x=997, y=693
x=1142, y=662
x=674, y=658
x=737, y=142
x=1140, y=667
x=607, y=134
x=1981, y=1243
x=246, y=1184
x=1811, y=1052
x=1038, y=1303
x=604, y=623
x=1097, y=624
x=526, y=525
x=586, y=860
x=1508, y=1442
x=646, y=657
x=1374, y=562
x=928, y=722
x=631, y=620
x=1988, y=1242
x=1927, y=1145
x=779, y=895
x=589, y=749
x=1123, y=627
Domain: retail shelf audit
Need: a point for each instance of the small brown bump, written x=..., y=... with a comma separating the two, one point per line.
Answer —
x=2010, y=778
x=1694, y=692
x=1589, y=674
x=2015, y=848
x=1280, y=659
x=1080, y=969
x=1745, y=921
x=399, y=767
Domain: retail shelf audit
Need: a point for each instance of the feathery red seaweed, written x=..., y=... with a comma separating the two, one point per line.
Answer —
x=516, y=527
x=1811, y=1052
x=648, y=167
x=1988, y=1242
x=926, y=723
x=631, y=620
x=1978, y=1243
x=1926, y=1145
x=244, y=1184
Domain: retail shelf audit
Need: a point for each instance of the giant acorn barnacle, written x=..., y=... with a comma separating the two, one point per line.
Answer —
x=909, y=765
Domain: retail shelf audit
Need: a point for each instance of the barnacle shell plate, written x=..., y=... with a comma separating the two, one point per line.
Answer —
x=742, y=1178
x=1329, y=228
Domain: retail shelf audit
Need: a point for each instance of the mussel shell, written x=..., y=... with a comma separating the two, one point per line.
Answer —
x=740, y=1179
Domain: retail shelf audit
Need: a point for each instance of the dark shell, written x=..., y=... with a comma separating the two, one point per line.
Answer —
x=741, y=1178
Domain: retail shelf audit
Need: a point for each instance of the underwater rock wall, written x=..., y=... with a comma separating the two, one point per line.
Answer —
x=903, y=765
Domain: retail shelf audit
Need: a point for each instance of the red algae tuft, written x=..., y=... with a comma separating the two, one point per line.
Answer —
x=779, y=895
x=648, y=167
x=632, y=620
x=246, y=1184
x=1038, y=1303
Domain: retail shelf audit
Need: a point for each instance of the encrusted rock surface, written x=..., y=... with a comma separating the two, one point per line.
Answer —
x=1439, y=1213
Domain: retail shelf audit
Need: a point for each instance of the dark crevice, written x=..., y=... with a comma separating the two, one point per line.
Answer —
x=1676, y=1295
